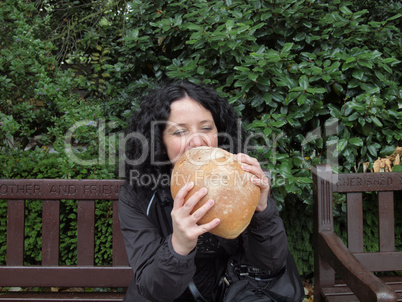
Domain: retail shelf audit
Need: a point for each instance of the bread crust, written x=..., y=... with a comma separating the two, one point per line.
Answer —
x=235, y=196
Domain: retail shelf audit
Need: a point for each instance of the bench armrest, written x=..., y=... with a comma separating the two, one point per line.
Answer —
x=365, y=285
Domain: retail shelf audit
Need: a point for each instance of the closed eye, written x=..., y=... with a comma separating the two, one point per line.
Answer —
x=179, y=132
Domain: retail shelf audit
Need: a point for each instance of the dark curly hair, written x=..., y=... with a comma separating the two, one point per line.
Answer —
x=146, y=154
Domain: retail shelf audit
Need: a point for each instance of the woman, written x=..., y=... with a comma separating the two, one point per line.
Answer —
x=174, y=258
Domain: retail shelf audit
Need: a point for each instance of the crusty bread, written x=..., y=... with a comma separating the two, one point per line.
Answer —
x=235, y=196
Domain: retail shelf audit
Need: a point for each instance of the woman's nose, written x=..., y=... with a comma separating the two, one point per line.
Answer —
x=197, y=140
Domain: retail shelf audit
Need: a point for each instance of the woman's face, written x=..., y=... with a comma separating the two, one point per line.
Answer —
x=189, y=125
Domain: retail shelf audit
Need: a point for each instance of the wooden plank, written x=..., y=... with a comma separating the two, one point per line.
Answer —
x=355, y=222
x=323, y=221
x=386, y=221
x=364, y=182
x=60, y=189
x=343, y=293
x=66, y=276
x=119, y=250
x=62, y=296
x=381, y=261
x=86, y=233
x=50, y=232
x=15, y=232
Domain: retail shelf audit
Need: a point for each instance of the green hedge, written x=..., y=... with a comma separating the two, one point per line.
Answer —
x=314, y=82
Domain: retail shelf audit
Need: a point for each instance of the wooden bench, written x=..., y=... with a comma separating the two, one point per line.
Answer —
x=333, y=261
x=50, y=273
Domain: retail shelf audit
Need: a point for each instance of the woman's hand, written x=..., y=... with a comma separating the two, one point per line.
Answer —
x=185, y=228
x=251, y=165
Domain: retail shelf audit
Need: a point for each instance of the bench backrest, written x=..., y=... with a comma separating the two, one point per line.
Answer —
x=354, y=185
x=50, y=273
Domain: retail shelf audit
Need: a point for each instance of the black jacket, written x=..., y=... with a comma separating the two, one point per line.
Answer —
x=160, y=274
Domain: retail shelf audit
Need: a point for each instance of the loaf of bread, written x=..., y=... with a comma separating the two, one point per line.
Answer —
x=235, y=196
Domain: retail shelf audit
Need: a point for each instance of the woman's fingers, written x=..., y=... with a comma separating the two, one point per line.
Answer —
x=182, y=210
x=185, y=228
x=180, y=196
x=193, y=200
x=260, y=179
x=251, y=165
x=199, y=213
x=204, y=228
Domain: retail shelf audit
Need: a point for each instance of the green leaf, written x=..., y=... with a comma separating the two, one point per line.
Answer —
x=316, y=90
x=192, y=26
x=372, y=89
x=296, y=89
x=357, y=106
x=291, y=96
x=397, y=16
x=256, y=124
x=241, y=68
x=229, y=24
x=257, y=101
x=301, y=99
x=286, y=170
x=303, y=82
x=380, y=75
x=304, y=180
x=334, y=111
x=273, y=57
x=365, y=63
x=397, y=168
x=376, y=121
x=358, y=74
x=341, y=145
x=201, y=69
x=286, y=48
x=356, y=141
x=369, y=55
x=350, y=60
x=277, y=124
x=326, y=77
x=372, y=150
x=253, y=76
x=345, y=10
x=392, y=61
x=268, y=98
x=387, y=150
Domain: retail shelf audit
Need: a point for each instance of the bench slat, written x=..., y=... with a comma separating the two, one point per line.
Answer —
x=15, y=232
x=386, y=221
x=381, y=261
x=342, y=293
x=85, y=232
x=65, y=276
x=355, y=222
x=365, y=182
x=91, y=189
x=63, y=296
x=50, y=232
x=119, y=250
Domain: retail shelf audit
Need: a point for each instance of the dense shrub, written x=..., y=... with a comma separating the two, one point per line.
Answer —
x=314, y=82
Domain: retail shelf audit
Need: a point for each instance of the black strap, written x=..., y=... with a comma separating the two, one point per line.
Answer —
x=195, y=292
x=168, y=221
x=166, y=206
